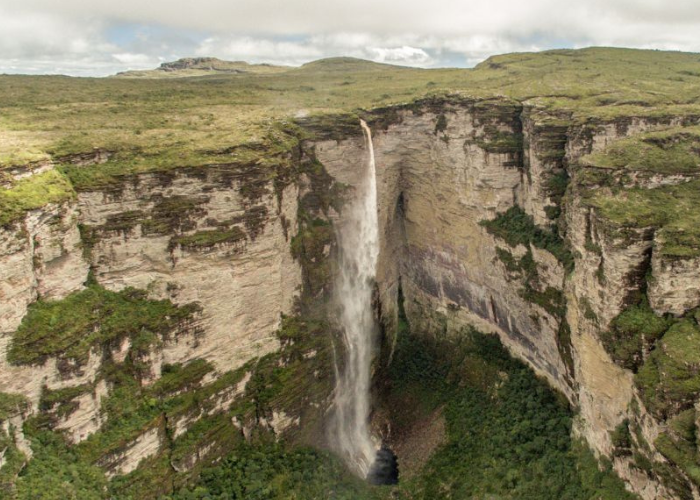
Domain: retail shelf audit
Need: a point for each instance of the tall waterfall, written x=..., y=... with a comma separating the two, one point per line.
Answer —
x=358, y=241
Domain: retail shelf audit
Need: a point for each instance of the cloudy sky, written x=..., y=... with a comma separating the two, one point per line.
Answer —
x=101, y=37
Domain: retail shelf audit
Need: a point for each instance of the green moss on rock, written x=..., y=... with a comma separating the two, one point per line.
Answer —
x=32, y=193
x=173, y=214
x=670, y=377
x=679, y=444
x=516, y=227
x=12, y=404
x=633, y=333
x=61, y=402
x=675, y=151
x=69, y=328
x=669, y=210
x=202, y=240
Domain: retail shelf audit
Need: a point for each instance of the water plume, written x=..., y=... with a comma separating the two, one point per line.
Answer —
x=358, y=242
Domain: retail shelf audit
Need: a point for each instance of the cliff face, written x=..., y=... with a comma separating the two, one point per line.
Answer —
x=214, y=242
x=441, y=172
x=196, y=238
x=490, y=216
x=487, y=221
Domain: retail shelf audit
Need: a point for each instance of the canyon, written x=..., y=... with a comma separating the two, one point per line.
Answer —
x=493, y=212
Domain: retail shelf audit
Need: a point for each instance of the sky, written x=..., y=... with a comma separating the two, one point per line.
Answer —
x=102, y=37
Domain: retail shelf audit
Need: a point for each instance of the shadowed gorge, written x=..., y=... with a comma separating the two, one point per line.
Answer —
x=259, y=282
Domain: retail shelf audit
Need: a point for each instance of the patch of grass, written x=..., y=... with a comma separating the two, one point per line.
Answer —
x=69, y=328
x=186, y=120
x=178, y=377
x=501, y=142
x=14, y=462
x=217, y=430
x=122, y=222
x=670, y=378
x=679, y=444
x=315, y=236
x=674, y=151
x=633, y=334
x=32, y=193
x=555, y=187
x=550, y=299
x=61, y=402
x=621, y=439
x=153, y=479
x=173, y=214
x=670, y=210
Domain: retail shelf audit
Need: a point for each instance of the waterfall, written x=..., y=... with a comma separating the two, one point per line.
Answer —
x=358, y=242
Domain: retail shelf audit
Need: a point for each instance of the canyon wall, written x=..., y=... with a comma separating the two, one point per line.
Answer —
x=485, y=221
x=447, y=170
x=213, y=242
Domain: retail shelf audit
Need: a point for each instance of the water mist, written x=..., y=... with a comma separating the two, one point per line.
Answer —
x=358, y=242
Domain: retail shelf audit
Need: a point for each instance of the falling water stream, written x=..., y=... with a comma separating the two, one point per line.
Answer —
x=358, y=241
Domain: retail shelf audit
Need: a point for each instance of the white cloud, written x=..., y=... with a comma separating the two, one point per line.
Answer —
x=130, y=59
x=412, y=56
x=76, y=33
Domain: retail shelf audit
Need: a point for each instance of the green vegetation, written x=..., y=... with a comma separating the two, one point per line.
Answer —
x=209, y=239
x=550, y=299
x=284, y=381
x=308, y=245
x=273, y=471
x=671, y=210
x=679, y=444
x=555, y=186
x=33, y=192
x=508, y=436
x=61, y=402
x=12, y=404
x=508, y=433
x=670, y=377
x=68, y=329
x=516, y=227
x=172, y=118
x=176, y=378
x=621, y=170
x=172, y=214
x=662, y=351
x=621, y=438
x=14, y=461
x=673, y=151
x=633, y=334
x=57, y=471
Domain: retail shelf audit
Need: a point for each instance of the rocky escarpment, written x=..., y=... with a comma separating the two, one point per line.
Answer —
x=493, y=213
x=154, y=321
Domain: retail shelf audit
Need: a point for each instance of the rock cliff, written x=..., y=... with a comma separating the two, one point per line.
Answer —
x=489, y=219
x=493, y=213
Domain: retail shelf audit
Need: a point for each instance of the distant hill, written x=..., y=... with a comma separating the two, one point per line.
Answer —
x=347, y=64
x=201, y=66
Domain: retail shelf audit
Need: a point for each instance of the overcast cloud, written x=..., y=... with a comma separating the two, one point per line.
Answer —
x=99, y=37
